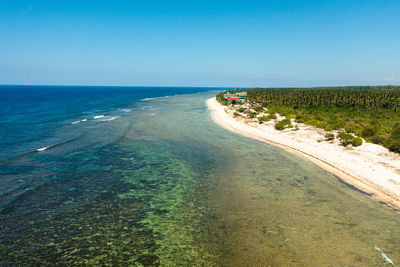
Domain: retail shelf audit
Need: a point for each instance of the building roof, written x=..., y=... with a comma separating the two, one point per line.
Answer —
x=233, y=98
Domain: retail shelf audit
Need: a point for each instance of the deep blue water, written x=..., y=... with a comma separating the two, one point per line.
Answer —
x=31, y=117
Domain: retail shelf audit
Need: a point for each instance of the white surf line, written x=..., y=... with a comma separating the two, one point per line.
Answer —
x=42, y=149
x=384, y=257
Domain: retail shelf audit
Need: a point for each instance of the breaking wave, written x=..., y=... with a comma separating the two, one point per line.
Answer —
x=152, y=98
x=80, y=121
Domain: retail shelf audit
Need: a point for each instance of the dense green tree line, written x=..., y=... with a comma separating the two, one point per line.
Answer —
x=221, y=99
x=387, y=97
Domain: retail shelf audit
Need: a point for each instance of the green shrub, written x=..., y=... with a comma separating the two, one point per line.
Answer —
x=252, y=115
x=368, y=132
x=312, y=122
x=350, y=128
x=345, y=138
x=326, y=126
x=394, y=145
x=393, y=142
x=241, y=109
x=264, y=118
x=271, y=111
x=282, y=124
x=356, y=141
x=339, y=124
x=236, y=114
x=259, y=109
x=302, y=118
x=329, y=136
x=396, y=132
x=377, y=139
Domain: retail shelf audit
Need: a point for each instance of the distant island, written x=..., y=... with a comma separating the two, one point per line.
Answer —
x=353, y=131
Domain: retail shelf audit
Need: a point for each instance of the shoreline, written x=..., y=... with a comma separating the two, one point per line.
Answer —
x=338, y=161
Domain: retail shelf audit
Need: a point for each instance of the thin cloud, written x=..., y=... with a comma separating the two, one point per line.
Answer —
x=390, y=79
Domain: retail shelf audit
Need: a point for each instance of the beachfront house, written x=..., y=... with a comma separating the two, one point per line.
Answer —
x=231, y=99
x=240, y=96
x=227, y=95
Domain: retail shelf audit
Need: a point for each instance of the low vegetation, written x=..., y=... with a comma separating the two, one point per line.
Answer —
x=280, y=125
x=329, y=137
x=347, y=139
x=267, y=118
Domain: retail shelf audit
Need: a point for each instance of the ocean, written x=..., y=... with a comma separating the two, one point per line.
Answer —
x=142, y=176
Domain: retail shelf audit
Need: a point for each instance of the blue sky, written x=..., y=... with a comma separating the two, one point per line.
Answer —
x=200, y=43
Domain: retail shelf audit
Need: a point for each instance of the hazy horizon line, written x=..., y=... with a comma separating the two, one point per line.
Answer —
x=195, y=86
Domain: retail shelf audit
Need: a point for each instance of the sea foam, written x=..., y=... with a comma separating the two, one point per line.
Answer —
x=110, y=118
x=107, y=118
x=152, y=98
x=76, y=122
x=42, y=149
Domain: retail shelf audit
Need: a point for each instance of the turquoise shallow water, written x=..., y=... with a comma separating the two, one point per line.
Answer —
x=164, y=185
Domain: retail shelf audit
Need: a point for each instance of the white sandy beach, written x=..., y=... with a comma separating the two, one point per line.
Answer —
x=370, y=167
